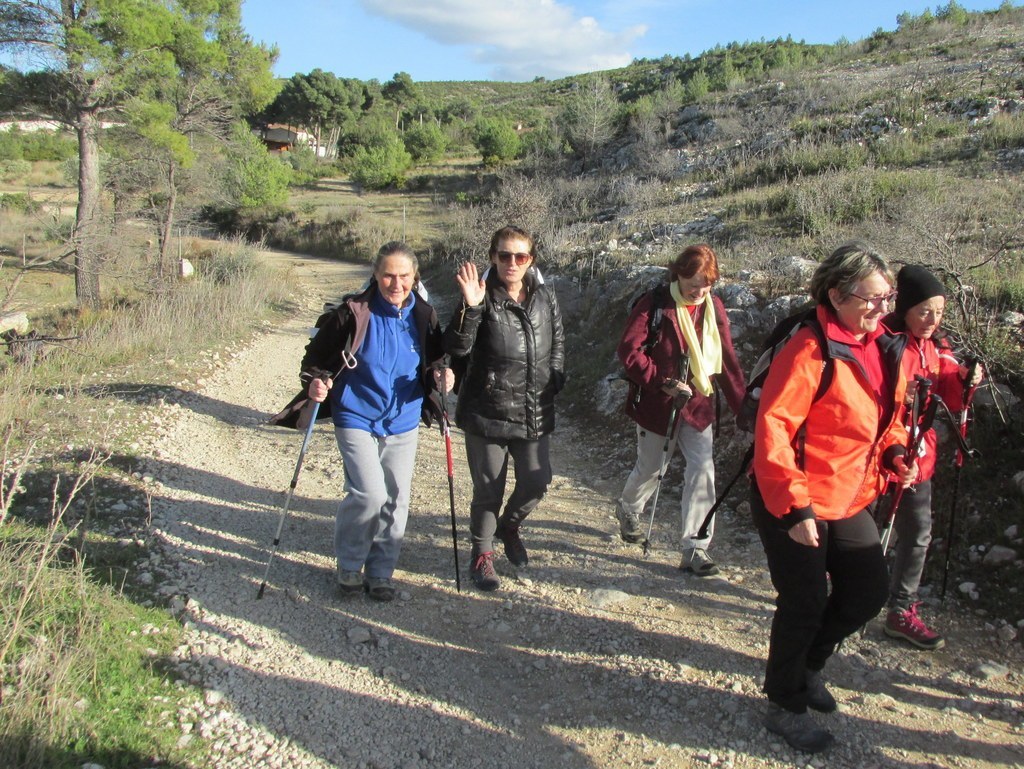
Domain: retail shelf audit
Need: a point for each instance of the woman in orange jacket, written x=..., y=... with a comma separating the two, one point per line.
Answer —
x=820, y=461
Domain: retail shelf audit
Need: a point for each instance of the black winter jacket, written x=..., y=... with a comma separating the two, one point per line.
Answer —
x=345, y=327
x=513, y=357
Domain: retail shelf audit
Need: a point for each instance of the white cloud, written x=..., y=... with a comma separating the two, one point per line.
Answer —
x=518, y=39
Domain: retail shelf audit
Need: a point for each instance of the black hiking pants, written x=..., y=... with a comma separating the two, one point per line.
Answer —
x=810, y=618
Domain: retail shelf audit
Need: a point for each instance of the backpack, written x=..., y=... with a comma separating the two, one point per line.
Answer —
x=653, y=333
x=655, y=316
x=784, y=330
x=294, y=413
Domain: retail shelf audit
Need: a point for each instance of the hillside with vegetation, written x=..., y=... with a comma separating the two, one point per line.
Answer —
x=911, y=139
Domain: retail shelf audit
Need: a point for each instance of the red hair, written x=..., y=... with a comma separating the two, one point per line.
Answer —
x=695, y=260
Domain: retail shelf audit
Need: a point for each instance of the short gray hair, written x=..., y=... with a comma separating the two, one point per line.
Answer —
x=845, y=267
x=397, y=248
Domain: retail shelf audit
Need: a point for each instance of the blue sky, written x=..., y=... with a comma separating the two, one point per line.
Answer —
x=521, y=39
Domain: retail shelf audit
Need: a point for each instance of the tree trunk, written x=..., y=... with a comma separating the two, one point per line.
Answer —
x=84, y=236
x=167, y=224
x=332, y=142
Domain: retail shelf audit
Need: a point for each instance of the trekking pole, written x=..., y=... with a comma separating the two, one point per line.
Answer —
x=702, y=533
x=678, y=401
x=665, y=458
x=961, y=453
x=447, y=433
x=922, y=416
x=288, y=499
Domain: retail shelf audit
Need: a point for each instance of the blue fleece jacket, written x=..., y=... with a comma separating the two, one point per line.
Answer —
x=383, y=394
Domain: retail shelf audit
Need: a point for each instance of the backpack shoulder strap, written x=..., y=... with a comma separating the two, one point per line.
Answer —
x=354, y=335
x=654, y=317
x=828, y=364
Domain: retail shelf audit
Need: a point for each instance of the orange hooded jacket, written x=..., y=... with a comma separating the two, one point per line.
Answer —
x=844, y=446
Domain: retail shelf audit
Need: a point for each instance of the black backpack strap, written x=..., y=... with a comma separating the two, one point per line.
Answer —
x=824, y=382
x=654, y=317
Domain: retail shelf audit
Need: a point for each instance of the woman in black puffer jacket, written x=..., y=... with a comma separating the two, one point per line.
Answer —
x=507, y=334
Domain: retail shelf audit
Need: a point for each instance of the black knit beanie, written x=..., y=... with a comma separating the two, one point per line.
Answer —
x=915, y=285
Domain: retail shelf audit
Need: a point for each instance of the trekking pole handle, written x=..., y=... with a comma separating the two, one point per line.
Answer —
x=919, y=405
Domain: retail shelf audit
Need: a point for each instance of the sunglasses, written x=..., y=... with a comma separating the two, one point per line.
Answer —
x=507, y=257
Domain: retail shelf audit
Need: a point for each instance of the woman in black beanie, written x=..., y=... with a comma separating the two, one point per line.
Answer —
x=920, y=302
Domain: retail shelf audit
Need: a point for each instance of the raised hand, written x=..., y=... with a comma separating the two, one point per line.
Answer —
x=470, y=283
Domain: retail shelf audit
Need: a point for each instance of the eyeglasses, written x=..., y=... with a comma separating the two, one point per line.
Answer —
x=508, y=256
x=877, y=301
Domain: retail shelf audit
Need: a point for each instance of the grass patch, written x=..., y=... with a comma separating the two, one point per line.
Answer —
x=84, y=655
x=1004, y=132
x=82, y=668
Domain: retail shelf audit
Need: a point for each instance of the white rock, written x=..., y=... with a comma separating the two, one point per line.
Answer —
x=1006, y=633
x=213, y=697
x=999, y=555
x=358, y=635
x=990, y=670
x=602, y=598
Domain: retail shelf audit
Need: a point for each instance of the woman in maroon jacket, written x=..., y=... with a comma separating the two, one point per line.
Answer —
x=692, y=354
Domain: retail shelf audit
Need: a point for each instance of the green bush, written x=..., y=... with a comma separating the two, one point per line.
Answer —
x=382, y=165
x=16, y=144
x=426, y=143
x=698, y=86
x=255, y=178
x=18, y=201
x=496, y=140
x=13, y=169
x=303, y=162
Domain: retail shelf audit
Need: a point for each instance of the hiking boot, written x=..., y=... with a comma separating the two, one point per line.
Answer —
x=483, y=574
x=515, y=551
x=629, y=525
x=798, y=729
x=818, y=697
x=349, y=582
x=697, y=561
x=905, y=624
x=380, y=588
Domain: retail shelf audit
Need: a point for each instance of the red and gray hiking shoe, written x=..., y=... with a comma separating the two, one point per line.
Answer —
x=482, y=572
x=905, y=624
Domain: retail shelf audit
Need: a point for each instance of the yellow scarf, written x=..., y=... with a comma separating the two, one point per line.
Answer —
x=706, y=358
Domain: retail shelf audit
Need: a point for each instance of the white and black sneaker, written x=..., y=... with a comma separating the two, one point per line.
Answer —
x=350, y=582
x=629, y=525
x=697, y=562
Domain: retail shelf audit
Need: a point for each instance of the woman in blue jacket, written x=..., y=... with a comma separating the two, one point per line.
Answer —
x=376, y=404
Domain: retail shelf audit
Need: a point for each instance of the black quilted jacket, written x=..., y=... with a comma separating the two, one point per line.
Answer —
x=511, y=361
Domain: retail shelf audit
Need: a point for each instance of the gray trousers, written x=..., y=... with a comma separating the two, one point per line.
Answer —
x=370, y=522
x=488, y=467
x=913, y=528
x=698, y=492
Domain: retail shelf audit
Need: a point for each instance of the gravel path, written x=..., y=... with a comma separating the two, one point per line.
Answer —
x=591, y=657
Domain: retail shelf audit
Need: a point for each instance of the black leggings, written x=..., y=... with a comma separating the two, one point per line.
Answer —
x=810, y=620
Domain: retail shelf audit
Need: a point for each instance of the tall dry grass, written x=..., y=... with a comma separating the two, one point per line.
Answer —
x=79, y=671
x=45, y=621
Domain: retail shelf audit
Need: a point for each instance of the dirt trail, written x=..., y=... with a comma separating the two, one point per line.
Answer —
x=591, y=657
